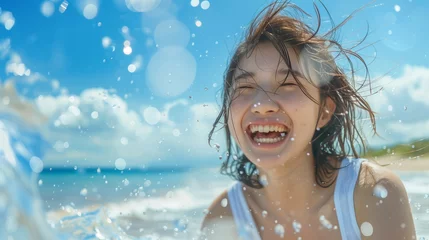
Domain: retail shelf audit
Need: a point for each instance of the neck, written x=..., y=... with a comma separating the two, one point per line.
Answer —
x=292, y=189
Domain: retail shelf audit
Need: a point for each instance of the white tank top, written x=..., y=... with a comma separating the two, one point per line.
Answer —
x=343, y=200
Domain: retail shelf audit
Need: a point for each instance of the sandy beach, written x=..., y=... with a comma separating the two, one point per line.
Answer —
x=403, y=164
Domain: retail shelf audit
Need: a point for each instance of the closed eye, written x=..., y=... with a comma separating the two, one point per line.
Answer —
x=241, y=87
x=288, y=84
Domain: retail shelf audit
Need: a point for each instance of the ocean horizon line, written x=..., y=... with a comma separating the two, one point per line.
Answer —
x=81, y=170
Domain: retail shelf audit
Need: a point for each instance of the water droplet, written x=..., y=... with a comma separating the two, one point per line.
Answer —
x=224, y=202
x=36, y=164
x=390, y=108
x=366, y=229
x=131, y=68
x=279, y=230
x=264, y=214
x=397, y=8
x=198, y=23
x=405, y=108
x=205, y=5
x=90, y=11
x=124, y=141
x=217, y=146
x=296, y=226
x=380, y=191
x=47, y=8
x=120, y=164
x=263, y=180
x=127, y=50
x=152, y=115
x=94, y=115
x=83, y=192
x=40, y=182
x=176, y=132
x=147, y=183
x=325, y=222
x=195, y=3
x=63, y=6
x=125, y=182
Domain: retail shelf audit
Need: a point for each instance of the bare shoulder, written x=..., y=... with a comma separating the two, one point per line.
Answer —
x=381, y=204
x=218, y=223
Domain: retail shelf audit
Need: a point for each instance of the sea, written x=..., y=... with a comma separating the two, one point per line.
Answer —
x=158, y=203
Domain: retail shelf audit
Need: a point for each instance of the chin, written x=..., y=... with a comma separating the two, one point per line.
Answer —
x=269, y=162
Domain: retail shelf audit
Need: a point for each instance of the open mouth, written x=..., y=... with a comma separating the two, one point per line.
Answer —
x=267, y=134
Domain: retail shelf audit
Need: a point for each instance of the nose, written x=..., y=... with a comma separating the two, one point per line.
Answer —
x=265, y=106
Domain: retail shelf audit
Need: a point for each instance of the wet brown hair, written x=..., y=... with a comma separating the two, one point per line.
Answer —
x=341, y=136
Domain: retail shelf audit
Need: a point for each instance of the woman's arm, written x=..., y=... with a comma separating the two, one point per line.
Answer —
x=381, y=202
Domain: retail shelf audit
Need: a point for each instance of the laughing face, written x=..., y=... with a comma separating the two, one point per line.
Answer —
x=271, y=119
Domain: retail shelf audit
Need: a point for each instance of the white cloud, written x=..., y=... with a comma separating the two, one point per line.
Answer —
x=414, y=81
x=164, y=113
x=16, y=66
x=99, y=141
x=400, y=106
x=411, y=131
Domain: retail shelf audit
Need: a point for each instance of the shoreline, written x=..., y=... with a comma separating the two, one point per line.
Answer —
x=404, y=164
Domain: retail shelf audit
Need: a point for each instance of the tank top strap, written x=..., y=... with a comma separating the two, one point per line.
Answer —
x=344, y=198
x=243, y=219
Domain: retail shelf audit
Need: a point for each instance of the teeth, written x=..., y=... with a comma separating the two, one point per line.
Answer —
x=268, y=128
x=268, y=140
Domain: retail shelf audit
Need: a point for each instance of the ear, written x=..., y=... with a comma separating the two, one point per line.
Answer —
x=327, y=112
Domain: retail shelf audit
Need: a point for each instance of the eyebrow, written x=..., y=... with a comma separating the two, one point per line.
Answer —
x=284, y=71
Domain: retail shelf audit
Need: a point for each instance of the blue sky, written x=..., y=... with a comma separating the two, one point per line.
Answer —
x=139, y=80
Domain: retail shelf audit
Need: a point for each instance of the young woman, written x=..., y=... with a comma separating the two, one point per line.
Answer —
x=292, y=114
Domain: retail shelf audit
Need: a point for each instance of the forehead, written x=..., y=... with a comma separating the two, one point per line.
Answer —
x=265, y=59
